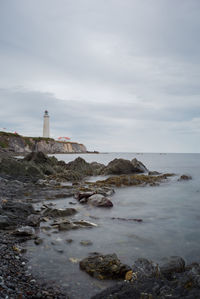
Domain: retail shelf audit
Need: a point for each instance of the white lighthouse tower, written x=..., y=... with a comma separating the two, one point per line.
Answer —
x=46, y=125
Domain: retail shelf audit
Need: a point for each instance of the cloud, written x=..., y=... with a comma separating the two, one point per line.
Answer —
x=103, y=69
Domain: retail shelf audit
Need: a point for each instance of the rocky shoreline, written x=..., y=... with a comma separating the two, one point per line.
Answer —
x=36, y=178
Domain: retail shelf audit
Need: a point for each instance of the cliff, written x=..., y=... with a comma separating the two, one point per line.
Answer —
x=21, y=144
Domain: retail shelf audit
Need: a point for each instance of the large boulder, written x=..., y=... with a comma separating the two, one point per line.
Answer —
x=99, y=200
x=139, y=166
x=104, y=267
x=172, y=264
x=122, y=166
x=36, y=157
x=20, y=169
x=42, y=161
x=81, y=166
x=97, y=168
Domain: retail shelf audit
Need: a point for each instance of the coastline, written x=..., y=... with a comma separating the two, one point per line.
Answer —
x=13, y=191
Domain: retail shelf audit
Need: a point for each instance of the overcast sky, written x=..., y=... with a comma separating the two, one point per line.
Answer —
x=116, y=75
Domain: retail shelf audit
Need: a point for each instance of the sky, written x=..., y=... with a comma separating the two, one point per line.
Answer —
x=115, y=75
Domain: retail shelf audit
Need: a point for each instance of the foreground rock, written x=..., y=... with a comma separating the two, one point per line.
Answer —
x=104, y=267
x=147, y=280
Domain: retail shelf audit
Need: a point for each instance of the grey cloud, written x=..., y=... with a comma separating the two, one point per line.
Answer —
x=101, y=67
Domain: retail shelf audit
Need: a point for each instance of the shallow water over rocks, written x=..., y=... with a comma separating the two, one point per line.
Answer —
x=170, y=214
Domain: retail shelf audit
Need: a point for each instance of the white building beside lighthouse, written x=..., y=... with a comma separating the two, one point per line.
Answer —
x=46, y=132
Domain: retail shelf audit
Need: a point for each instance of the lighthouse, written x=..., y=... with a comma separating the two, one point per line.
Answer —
x=46, y=125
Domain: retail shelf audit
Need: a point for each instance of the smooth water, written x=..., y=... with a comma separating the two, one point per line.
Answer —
x=171, y=220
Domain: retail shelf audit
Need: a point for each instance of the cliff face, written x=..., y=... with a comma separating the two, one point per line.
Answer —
x=21, y=144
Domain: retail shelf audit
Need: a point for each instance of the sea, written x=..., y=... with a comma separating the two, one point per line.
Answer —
x=170, y=226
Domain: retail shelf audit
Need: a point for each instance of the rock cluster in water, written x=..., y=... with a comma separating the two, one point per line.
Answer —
x=145, y=279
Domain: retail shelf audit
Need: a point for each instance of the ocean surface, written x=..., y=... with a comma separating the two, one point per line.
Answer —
x=171, y=221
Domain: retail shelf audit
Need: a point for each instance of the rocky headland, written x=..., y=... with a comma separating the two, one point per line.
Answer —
x=22, y=145
x=38, y=178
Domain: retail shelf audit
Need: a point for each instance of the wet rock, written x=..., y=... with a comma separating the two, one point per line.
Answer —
x=145, y=268
x=84, y=195
x=127, y=219
x=20, y=170
x=185, y=177
x=67, y=175
x=53, y=212
x=84, y=223
x=99, y=200
x=38, y=241
x=139, y=166
x=86, y=243
x=104, y=267
x=69, y=241
x=67, y=225
x=154, y=173
x=170, y=265
x=33, y=220
x=120, y=291
x=18, y=208
x=122, y=166
x=37, y=157
x=97, y=168
x=81, y=166
x=131, y=180
x=5, y=222
x=24, y=231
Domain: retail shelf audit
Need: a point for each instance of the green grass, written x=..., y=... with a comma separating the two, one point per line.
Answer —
x=3, y=144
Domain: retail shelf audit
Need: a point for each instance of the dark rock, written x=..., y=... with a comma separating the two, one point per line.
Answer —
x=120, y=291
x=97, y=168
x=51, y=212
x=86, y=243
x=5, y=222
x=21, y=208
x=38, y=241
x=154, y=173
x=122, y=166
x=146, y=268
x=81, y=166
x=33, y=220
x=20, y=169
x=99, y=200
x=69, y=241
x=68, y=225
x=84, y=223
x=84, y=195
x=37, y=157
x=170, y=265
x=24, y=231
x=139, y=166
x=104, y=267
x=127, y=219
x=185, y=177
